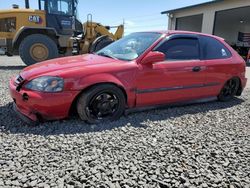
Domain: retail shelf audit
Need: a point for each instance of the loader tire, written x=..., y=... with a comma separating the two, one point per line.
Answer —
x=100, y=43
x=36, y=48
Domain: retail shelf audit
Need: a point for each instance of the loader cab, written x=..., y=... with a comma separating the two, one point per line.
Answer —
x=61, y=15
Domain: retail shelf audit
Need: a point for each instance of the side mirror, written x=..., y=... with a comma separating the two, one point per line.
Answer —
x=153, y=57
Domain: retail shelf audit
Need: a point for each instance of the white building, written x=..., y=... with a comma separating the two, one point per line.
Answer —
x=229, y=19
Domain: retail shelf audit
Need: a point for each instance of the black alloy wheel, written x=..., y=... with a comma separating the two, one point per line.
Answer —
x=101, y=103
x=229, y=90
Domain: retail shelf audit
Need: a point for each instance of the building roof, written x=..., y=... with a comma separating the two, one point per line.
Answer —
x=192, y=6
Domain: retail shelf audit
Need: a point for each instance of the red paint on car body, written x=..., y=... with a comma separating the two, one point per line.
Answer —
x=144, y=84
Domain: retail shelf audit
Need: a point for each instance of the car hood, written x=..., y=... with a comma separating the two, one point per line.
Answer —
x=56, y=66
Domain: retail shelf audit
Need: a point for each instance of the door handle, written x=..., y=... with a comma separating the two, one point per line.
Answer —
x=196, y=69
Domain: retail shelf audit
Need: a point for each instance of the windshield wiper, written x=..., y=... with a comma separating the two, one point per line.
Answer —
x=106, y=55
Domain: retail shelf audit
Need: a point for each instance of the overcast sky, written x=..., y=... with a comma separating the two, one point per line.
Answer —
x=139, y=15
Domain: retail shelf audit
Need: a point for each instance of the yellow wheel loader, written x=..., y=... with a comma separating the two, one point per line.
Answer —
x=38, y=35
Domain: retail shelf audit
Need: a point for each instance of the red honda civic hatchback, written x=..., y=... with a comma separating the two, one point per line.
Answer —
x=140, y=70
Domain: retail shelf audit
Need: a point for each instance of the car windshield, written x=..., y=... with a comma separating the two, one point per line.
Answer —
x=129, y=47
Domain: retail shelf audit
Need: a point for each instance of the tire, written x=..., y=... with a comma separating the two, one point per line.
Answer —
x=30, y=45
x=229, y=90
x=100, y=43
x=91, y=105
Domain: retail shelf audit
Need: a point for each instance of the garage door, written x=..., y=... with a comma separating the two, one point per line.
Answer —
x=190, y=23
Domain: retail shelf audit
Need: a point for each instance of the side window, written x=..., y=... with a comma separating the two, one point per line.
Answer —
x=180, y=49
x=7, y=24
x=214, y=49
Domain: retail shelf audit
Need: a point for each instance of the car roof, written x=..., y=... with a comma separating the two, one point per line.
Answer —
x=172, y=32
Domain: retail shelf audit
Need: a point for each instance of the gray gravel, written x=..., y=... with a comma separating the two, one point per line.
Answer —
x=201, y=145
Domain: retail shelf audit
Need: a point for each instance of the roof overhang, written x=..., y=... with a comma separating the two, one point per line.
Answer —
x=192, y=6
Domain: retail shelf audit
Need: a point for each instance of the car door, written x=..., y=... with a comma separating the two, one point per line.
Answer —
x=219, y=64
x=180, y=77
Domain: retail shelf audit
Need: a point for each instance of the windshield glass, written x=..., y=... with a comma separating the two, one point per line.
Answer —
x=129, y=47
x=62, y=7
x=76, y=13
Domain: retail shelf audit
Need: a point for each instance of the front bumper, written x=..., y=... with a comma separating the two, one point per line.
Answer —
x=33, y=106
x=26, y=119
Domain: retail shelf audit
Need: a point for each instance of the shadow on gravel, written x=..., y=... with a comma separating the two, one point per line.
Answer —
x=12, y=67
x=9, y=122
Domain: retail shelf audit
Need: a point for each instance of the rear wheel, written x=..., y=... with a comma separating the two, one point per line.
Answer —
x=100, y=43
x=100, y=103
x=229, y=90
x=36, y=48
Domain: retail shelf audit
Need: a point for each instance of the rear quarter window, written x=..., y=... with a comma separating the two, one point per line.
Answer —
x=214, y=49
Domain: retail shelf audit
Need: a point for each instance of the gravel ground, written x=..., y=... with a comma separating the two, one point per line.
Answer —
x=201, y=145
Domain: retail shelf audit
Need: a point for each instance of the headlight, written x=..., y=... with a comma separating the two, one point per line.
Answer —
x=46, y=84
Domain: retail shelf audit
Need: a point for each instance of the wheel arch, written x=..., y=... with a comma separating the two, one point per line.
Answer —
x=240, y=89
x=26, y=31
x=74, y=103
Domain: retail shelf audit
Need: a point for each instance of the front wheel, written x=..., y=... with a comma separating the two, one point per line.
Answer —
x=229, y=90
x=100, y=103
x=36, y=48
